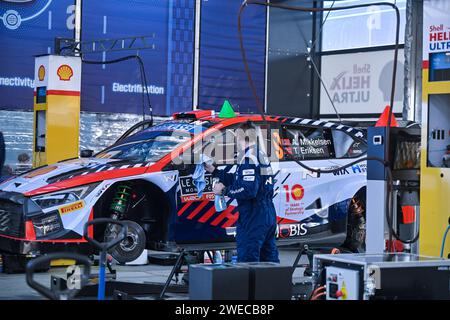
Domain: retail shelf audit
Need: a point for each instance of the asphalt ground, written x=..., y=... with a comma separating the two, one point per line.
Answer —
x=14, y=286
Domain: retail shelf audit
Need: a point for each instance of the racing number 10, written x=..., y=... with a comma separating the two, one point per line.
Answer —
x=296, y=192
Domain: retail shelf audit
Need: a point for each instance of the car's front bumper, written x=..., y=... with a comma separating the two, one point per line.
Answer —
x=18, y=246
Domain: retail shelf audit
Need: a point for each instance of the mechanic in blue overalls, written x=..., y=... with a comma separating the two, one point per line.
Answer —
x=252, y=186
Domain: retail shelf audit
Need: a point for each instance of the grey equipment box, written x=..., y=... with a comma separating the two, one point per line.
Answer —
x=383, y=276
x=269, y=281
x=218, y=282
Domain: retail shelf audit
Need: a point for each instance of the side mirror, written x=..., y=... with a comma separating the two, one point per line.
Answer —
x=86, y=153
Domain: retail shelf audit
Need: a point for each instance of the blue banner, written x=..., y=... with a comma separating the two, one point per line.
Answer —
x=27, y=29
x=222, y=73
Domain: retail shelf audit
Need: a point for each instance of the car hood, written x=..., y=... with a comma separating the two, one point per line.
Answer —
x=57, y=172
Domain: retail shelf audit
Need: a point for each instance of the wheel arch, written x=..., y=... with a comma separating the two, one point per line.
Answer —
x=154, y=219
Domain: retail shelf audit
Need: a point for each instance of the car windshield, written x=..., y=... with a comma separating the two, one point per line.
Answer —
x=156, y=146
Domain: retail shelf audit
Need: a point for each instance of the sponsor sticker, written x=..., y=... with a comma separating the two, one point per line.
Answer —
x=297, y=192
x=293, y=205
x=107, y=155
x=41, y=73
x=249, y=178
x=294, y=209
x=291, y=230
x=40, y=172
x=189, y=190
x=194, y=197
x=177, y=126
x=359, y=168
x=247, y=172
x=64, y=72
x=170, y=178
x=71, y=207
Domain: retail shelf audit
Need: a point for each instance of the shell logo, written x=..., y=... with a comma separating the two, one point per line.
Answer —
x=64, y=72
x=41, y=73
x=297, y=192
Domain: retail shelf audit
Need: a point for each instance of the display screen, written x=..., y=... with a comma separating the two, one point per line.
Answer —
x=41, y=95
x=438, y=151
x=440, y=66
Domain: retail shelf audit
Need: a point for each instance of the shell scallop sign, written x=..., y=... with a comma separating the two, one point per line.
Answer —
x=41, y=73
x=64, y=72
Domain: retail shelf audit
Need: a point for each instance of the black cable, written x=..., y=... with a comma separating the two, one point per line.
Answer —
x=259, y=105
x=304, y=9
x=316, y=69
x=143, y=78
x=142, y=95
x=319, y=34
x=389, y=199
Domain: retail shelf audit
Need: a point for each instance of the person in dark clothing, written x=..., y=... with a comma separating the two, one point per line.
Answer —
x=23, y=164
x=252, y=186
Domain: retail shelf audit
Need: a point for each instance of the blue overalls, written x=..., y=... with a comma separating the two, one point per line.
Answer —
x=252, y=186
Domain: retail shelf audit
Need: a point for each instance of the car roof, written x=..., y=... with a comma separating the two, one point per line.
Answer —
x=212, y=117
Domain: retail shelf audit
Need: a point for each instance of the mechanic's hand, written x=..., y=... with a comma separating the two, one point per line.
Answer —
x=218, y=188
x=209, y=167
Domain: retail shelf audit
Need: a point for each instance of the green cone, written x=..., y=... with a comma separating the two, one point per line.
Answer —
x=227, y=110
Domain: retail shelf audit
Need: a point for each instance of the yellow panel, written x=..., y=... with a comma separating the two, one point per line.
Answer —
x=62, y=263
x=63, y=122
x=434, y=185
x=62, y=129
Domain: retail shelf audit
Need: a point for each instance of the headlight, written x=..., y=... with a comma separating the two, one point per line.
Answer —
x=47, y=224
x=63, y=197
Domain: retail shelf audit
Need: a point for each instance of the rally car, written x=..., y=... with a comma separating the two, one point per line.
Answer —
x=145, y=178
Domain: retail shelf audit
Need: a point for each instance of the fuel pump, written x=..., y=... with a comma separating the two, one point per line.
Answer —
x=57, y=94
x=56, y=108
x=395, y=217
x=435, y=171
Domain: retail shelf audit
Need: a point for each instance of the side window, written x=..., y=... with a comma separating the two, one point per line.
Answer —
x=305, y=143
x=224, y=151
x=221, y=145
x=346, y=147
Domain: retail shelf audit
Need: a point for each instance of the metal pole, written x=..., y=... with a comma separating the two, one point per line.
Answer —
x=198, y=9
x=266, y=70
x=102, y=276
x=78, y=5
x=177, y=265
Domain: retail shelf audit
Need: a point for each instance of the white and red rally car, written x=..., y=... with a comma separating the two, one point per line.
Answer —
x=139, y=179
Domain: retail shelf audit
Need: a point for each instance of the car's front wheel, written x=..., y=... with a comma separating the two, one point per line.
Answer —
x=132, y=246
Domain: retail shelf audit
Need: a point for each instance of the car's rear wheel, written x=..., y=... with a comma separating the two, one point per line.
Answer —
x=356, y=224
x=132, y=246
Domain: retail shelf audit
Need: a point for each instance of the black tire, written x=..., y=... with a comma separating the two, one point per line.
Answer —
x=132, y=247
x=356, y=225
